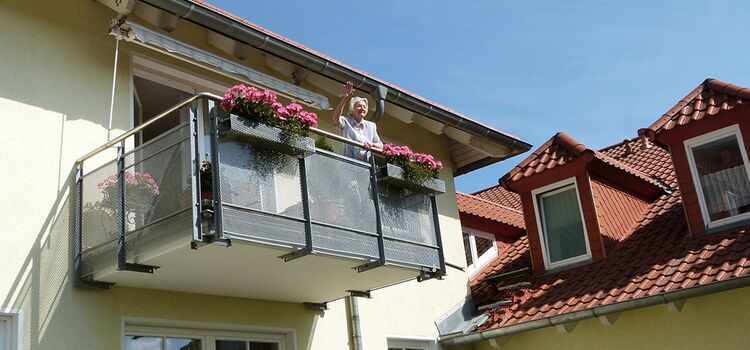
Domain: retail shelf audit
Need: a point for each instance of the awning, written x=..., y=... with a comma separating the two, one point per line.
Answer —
x=151, y=39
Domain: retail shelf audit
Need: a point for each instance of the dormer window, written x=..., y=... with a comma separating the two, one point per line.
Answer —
x=719, y=166
x=480, y=249
x=562, y=230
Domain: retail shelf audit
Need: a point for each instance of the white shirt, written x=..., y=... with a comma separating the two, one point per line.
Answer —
x=364, y=131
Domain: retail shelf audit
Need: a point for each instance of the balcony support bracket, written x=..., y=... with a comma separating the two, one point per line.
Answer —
x=425, y=275
x=368, y=266
x=360, y=294
x=316, y=306
x=140, y=268
x=296, y=254
x=95, y=284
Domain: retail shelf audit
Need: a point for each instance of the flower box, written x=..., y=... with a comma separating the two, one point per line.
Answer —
x=265, y=136
x=394, y=175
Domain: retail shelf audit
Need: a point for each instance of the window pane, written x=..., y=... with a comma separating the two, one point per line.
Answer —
x=723, y=178
x=230, y=345
x=263, y=346
x=183, y=344
x=483, y=245
x=4, y=339
x=467, y=250
x=135, y=342
x=563, y=228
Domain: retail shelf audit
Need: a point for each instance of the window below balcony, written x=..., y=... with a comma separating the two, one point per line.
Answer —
x=561, y=224
x=161, y=338
x=719, y=166
x=480, y=249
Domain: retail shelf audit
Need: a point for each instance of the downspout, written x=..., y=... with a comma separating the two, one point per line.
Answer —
x=356, y=331
x=664, y=298
x=380, y=94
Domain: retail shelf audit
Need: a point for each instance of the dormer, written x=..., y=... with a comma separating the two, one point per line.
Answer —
x=578, y=203
x=705, y=133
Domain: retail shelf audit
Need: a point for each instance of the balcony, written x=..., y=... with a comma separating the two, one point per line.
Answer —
x=311, y=227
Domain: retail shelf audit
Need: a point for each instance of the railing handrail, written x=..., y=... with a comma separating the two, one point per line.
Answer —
x=183, y=103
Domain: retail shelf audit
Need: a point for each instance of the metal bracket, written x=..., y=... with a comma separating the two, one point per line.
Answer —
x=95, y=284
x=360, y=294
x=368, y=266
x=316, y=306
x=425, y=275
x=296, y=254
x=140, y=268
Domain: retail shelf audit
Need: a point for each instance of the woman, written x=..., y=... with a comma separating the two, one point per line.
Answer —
x=354, y=126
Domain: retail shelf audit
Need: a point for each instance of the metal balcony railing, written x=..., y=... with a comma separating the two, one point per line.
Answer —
x=137, y=202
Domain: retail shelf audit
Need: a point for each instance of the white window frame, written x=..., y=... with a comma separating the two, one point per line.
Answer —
x=411, y=342
x=14, y=333
x=484, y=259
x=208, y=333
x=702, y=140
x=549, y=190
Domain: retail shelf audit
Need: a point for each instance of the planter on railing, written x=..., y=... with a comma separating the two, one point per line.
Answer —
x=265, y=136
x=396, y=176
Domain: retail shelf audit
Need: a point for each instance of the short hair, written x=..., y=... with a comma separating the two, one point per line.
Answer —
x=354, y=101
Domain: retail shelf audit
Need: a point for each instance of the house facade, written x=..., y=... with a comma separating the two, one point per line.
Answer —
x=641, y=244
x=109, y=108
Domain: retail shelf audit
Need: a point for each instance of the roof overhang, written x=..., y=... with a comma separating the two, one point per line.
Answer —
x=472, y=145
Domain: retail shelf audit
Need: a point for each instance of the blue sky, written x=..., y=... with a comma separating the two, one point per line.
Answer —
x=598, y=70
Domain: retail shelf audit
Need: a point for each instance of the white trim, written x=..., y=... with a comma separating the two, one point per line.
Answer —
x=15, y=320
x=484, y=259
x=207, y=331
x=427, y=343
x=702, y=140
x=557, y=187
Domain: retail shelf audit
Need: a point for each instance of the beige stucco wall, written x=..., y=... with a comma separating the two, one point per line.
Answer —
x=55, y=78
x=716, y=321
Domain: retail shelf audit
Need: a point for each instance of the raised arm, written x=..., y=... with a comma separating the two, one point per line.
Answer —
x=339, y=110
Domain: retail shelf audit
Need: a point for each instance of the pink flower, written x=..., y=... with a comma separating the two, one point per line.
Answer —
x=391, y=150
x=294, y=108
x=308, y=118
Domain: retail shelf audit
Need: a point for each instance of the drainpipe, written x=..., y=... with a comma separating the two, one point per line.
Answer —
x=356, y=331
x=380, y=93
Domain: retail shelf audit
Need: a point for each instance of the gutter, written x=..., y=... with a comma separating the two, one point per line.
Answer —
x=221, y=23
x=663, y=298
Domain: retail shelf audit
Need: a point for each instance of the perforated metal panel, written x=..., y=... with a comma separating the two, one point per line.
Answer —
x=340, y=193
x=259, y=179
x=264, y=227
x=342, y=241
x=101, y=206
x=400, y=252
x=407, y=215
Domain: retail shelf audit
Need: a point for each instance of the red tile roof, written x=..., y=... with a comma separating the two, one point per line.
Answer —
x=708, y=99
x=562, y=149
x=657, y=255
x=499, y=194
x=472, y=205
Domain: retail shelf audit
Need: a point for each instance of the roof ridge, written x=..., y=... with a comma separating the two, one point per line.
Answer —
x=612, y=146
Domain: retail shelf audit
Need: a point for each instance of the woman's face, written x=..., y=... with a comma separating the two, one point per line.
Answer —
x=360, y=110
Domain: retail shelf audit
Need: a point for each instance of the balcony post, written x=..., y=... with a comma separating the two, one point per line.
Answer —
x=309, y=247
x=195, y=160
x=438, y=235
x=121, y=258
x=378, y=219
x=79, y=223
x=213, y=118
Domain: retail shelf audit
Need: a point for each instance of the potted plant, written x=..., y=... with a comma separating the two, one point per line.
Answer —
x=418, y=172
x=141, y=191
x=256, y=116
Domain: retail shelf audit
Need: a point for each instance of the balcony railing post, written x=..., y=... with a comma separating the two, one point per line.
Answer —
x=438, y=235
x=213, y=116
x=378, y=219
x=195, y=160
x=121, y=258
x=79, y=223
x=306, y=205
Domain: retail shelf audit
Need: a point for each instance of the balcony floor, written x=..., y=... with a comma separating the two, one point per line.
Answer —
x=254, y=271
